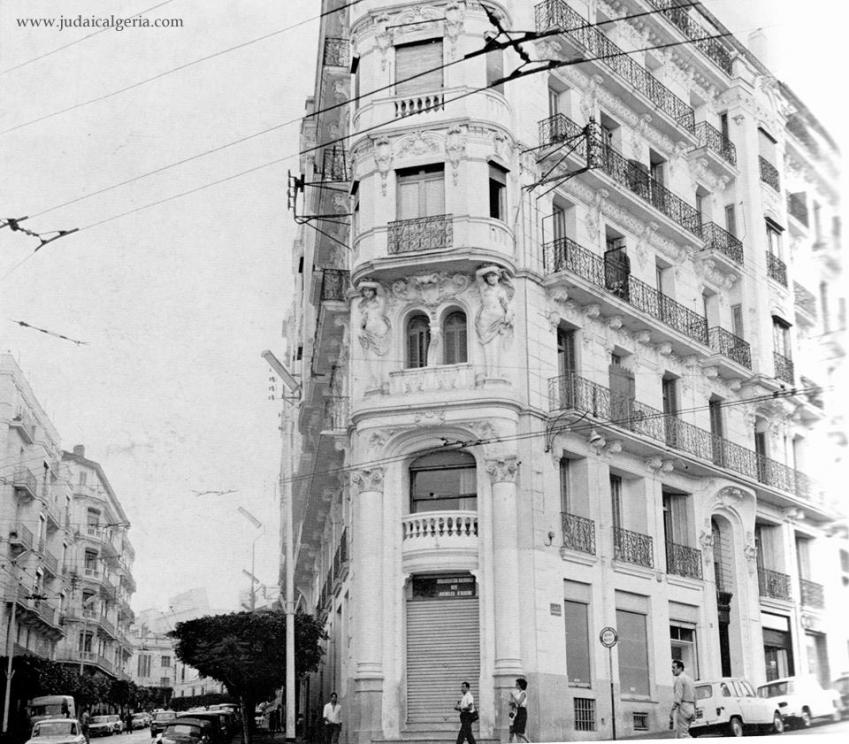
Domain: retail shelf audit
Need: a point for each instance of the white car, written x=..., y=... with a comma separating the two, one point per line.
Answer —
x=802, y=699
x=730, y=706
x=57, y=731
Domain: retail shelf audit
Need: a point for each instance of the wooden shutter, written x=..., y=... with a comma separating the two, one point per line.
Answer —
x=443, y=650
x=424, y=59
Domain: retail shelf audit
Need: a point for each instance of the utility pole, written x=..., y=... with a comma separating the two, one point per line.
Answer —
x=256, y=523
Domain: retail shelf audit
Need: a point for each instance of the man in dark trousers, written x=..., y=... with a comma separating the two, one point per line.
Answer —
x=466, y=706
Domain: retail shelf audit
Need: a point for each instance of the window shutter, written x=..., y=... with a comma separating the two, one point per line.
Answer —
x=422, y=59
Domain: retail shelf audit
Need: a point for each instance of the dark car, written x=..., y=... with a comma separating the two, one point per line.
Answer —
x=218, y=732
x=187, y=731
x=160, y=721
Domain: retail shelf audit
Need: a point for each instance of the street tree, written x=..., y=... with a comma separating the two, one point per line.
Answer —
x=246, y=651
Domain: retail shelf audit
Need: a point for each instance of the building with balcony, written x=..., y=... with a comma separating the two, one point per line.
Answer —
x=97, y=566
x=552, y=377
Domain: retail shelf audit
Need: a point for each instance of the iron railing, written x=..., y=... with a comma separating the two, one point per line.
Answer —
x=797, y=207
x=773, y=584
x=564, y=254
x=719, y=239
x=633, y=547
x=51, y=563
x=783, y=367
x=334, y=284
x=578, y=533
x=421, y=234
x=805, y=299
x=552, y=14
x=679, y=17
x=769, y=173
x=776, y=268
x=334, y=164
x=811, y=594
x=682, y=560
x=22, y=536
x=715, y=141
x=337, y=52
x=731, y=346
x=559, y=128
x=571, y=392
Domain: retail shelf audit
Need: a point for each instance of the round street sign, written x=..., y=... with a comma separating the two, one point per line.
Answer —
x=608, y=637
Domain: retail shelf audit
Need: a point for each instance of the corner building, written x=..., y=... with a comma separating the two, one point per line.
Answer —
x=566, y=348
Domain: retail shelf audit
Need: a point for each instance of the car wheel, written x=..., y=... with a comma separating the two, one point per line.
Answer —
x=777, y=723
x=735, y=727
x=806, y=718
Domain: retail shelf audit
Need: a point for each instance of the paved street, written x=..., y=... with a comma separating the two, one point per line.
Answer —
x=837, y=730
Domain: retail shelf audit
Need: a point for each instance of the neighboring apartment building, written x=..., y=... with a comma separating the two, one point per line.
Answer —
x=567, y=350
x=154, y=663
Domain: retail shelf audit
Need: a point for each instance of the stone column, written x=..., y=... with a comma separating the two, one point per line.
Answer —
x=505, y=576
x=367, y=518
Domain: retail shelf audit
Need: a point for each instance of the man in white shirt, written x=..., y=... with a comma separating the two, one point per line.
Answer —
x=466, y=706
x=333, y=720
x=683, y=701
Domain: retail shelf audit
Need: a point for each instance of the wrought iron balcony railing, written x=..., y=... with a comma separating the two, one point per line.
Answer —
x=552, y=14
x=714, y=140
x=337, y=52
x=773, y=584
x=776, y=268
x=334, y=165
x=421, y=234
x=711, y=48
x=797, y=207
x=811, y=594
x=719, y=239
x=334, y=284
x=769, y=173
x=560, y=128
x=683, y=561
x=804, y=299
x=578, y=533
x=565, y=254
x=783, y=367
x=633, y=547
x=731, y=346
x=571, y=392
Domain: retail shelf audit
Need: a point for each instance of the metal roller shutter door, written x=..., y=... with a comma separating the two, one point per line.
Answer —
x=443, y=649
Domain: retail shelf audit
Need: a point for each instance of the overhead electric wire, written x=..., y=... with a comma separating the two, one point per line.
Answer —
x=178, y=68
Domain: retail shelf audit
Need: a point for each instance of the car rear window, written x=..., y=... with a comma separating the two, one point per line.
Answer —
x=703, y=692
x=774, y=690
x=182, y=729
x=100, y=719
x=55, y=728
x=165, y=716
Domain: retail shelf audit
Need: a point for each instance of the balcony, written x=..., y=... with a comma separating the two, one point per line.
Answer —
x=439, y=535
x=440, y=379
x=24, y=482
x=628, y=76
x=776, y=269
x=773, y=584
x=769, y=173
x=571, y=392
x=340, y=557
x=20, y=537
x=811, y=594
x=334, y=285
x=107, y=626
x=723, y=242
x=633, y=547
x=681, y=19
x=108, y=589
x=92, y=574
x=710, y=138
x=52, y=515
x=804, y=300
x=578, y=533
x=24, y=424
x=419, y=104
x=421, y=234
x=50, y=563
x=797, y=207
x=783, y=367
x=334, y=165
x=730, y=346
x=565, y=254
x=337, y=52
x=683, y=561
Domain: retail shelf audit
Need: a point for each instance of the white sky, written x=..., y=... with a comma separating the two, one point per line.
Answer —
x=177, y=301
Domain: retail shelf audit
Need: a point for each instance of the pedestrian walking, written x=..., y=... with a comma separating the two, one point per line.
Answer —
x=84, y=717
x=519, y=711
x=683, y=701
x=468, y=715
x=333, y=720
x=128, y=721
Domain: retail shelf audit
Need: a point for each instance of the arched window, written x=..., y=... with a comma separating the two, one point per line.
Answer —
x=418, y=341
x=443, y=481
x=454, y=338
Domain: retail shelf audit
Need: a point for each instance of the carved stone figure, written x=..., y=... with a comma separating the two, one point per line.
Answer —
x=374, y=326
x=494, y=318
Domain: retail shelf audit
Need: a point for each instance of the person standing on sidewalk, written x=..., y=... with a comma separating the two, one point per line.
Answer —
x=332, y=720
x=466, y=706
x=519, y=711
x=683, y=702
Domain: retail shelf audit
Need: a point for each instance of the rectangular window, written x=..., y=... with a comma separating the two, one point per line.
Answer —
x=737, y=320
x=418, y=67
x=826, y=320
x=641, y=721
x=723, y=125
x=421, y=192
x=731, y=219
x=781, y=337
x=144, y=665
x=577, y=643
x=558, y=222
x=682, y=639
x=497, y=192
x=773, y=237
x=82, y=478
x=633, y=653
x=165, y=661
x=564, y=485
x=553, y=102
x=584, y=714
x=616, y=501
x=495, y=69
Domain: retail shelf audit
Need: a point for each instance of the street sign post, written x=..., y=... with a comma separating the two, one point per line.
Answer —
x=609, y=638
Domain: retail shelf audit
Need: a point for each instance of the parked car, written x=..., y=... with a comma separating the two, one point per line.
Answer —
x=105, y=725
x=802, y=699
x=841, y=686
x=160, y=720
x=218, y=726
x=187, y=731
x=57, y=731
x=140, y=721
x=730, y=706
